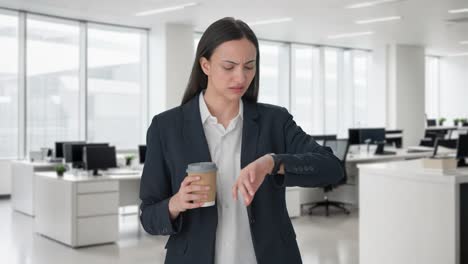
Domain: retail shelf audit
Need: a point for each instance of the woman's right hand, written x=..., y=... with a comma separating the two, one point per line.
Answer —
x=185, y=199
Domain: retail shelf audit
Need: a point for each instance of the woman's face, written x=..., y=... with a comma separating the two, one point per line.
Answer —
x=231, y=68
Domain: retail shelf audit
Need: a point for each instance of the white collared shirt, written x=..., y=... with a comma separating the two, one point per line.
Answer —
x=233, y=239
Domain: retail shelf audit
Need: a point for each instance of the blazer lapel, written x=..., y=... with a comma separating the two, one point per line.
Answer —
x=194, y=135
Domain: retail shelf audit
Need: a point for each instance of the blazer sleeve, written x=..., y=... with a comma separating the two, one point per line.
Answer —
x=306, y=163
x=155, y=188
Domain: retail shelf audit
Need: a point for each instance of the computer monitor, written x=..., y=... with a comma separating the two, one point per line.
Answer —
x=59, y=147
x=142, y=153
x=431, y=122
x=73, y=152
x=447, y=143
x=354, y=136
x=462, y=150
x=372, y=135
x=99, y=157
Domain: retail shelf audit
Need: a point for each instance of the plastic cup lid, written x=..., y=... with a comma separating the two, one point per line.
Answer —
x=201, y=167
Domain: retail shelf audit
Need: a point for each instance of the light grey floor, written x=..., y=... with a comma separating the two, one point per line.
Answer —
x=321, y=240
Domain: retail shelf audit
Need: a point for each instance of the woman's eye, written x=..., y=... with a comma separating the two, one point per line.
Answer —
x=248, y=68
x=228, y=68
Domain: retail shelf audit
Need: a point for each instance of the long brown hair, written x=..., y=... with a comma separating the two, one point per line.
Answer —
x=225, y=29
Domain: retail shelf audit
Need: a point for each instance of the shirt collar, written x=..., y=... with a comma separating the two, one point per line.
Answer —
x=205, y=113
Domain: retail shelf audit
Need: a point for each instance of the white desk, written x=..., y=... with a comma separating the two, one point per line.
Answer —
x=22, y=173
x=409, y=214
x=348, y=193
x=82, y=210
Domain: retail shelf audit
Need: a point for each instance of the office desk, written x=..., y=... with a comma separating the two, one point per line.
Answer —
x=409, y=214
x=349, y=192
x=82, y=210
x=23, y=181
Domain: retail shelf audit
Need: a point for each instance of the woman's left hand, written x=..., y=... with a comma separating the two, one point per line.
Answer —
x=251, y=177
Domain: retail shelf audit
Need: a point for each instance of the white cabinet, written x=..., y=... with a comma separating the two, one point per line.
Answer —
x=293, y=203
x=75, y=211
x=23, y=181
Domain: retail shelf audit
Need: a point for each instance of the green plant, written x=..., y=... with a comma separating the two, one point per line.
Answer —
x=441, y=121
x=60, y=169
x=463, y=120
x=128, y=159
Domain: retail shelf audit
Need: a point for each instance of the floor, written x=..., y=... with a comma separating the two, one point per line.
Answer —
x=321, y=240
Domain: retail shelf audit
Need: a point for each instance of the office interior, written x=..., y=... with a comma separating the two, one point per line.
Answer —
x=382, y=83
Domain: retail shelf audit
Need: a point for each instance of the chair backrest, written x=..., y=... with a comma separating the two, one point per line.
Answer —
x=448, y=143
x=340, y=148
x=321, y=139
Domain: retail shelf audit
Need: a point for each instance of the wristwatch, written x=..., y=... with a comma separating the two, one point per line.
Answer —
x=277, y=163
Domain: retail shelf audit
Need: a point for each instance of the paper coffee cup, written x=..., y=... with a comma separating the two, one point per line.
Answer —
x=207, y=172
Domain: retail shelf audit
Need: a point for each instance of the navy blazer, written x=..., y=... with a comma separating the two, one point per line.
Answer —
x=176, y=138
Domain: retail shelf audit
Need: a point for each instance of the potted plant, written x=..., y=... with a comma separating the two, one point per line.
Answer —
x=456, y=121
x=464, y=121
x=60, y=169
x=441, y=121
x=128, y=159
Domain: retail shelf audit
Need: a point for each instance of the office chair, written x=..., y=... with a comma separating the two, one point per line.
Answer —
x=396, y=141
x=340, y=148
x=430, y=136
x=448, y=143
x=322, y=138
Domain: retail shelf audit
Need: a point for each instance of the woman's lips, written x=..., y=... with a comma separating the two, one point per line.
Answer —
x=236, y=89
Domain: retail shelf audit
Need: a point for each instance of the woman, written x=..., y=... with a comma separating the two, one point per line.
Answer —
x=220, y=121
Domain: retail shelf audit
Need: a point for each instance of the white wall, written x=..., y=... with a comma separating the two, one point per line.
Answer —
x=453, y=88
x=5, y=177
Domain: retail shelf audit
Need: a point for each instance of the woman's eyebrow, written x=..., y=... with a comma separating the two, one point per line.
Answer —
x=236, y=63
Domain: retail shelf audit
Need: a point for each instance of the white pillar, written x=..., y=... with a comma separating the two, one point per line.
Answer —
x=405, y=92
x=171, y=55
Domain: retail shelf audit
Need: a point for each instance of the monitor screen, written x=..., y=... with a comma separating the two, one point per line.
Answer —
x=372, y=135
x=99, y=157
x=431, y=122
x=59, y=153
x=73, y=152
x=142, y=153
x=353, y=136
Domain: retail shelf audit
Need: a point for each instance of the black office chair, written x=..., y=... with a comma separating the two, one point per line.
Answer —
x=340, y=148
x=447, y=143
x=430, y=137
x=322, y=138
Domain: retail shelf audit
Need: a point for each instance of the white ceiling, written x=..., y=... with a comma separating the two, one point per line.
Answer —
x=424, y=21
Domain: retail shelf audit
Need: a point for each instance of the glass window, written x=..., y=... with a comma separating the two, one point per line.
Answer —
x=52, y=101
x=115, y=96
x=306, y=95
x=432, y=87
x=8, y=85
x=274, y=74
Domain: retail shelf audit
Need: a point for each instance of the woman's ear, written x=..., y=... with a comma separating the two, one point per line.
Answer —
x=205, y=65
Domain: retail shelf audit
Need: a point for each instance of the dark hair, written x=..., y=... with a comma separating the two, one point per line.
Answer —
x=225, y=29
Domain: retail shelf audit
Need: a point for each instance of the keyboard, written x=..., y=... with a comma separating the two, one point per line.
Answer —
x=122, y=172
x=386, y=153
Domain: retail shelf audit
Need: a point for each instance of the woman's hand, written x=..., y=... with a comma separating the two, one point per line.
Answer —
x=185, y=199
x=251, y=177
